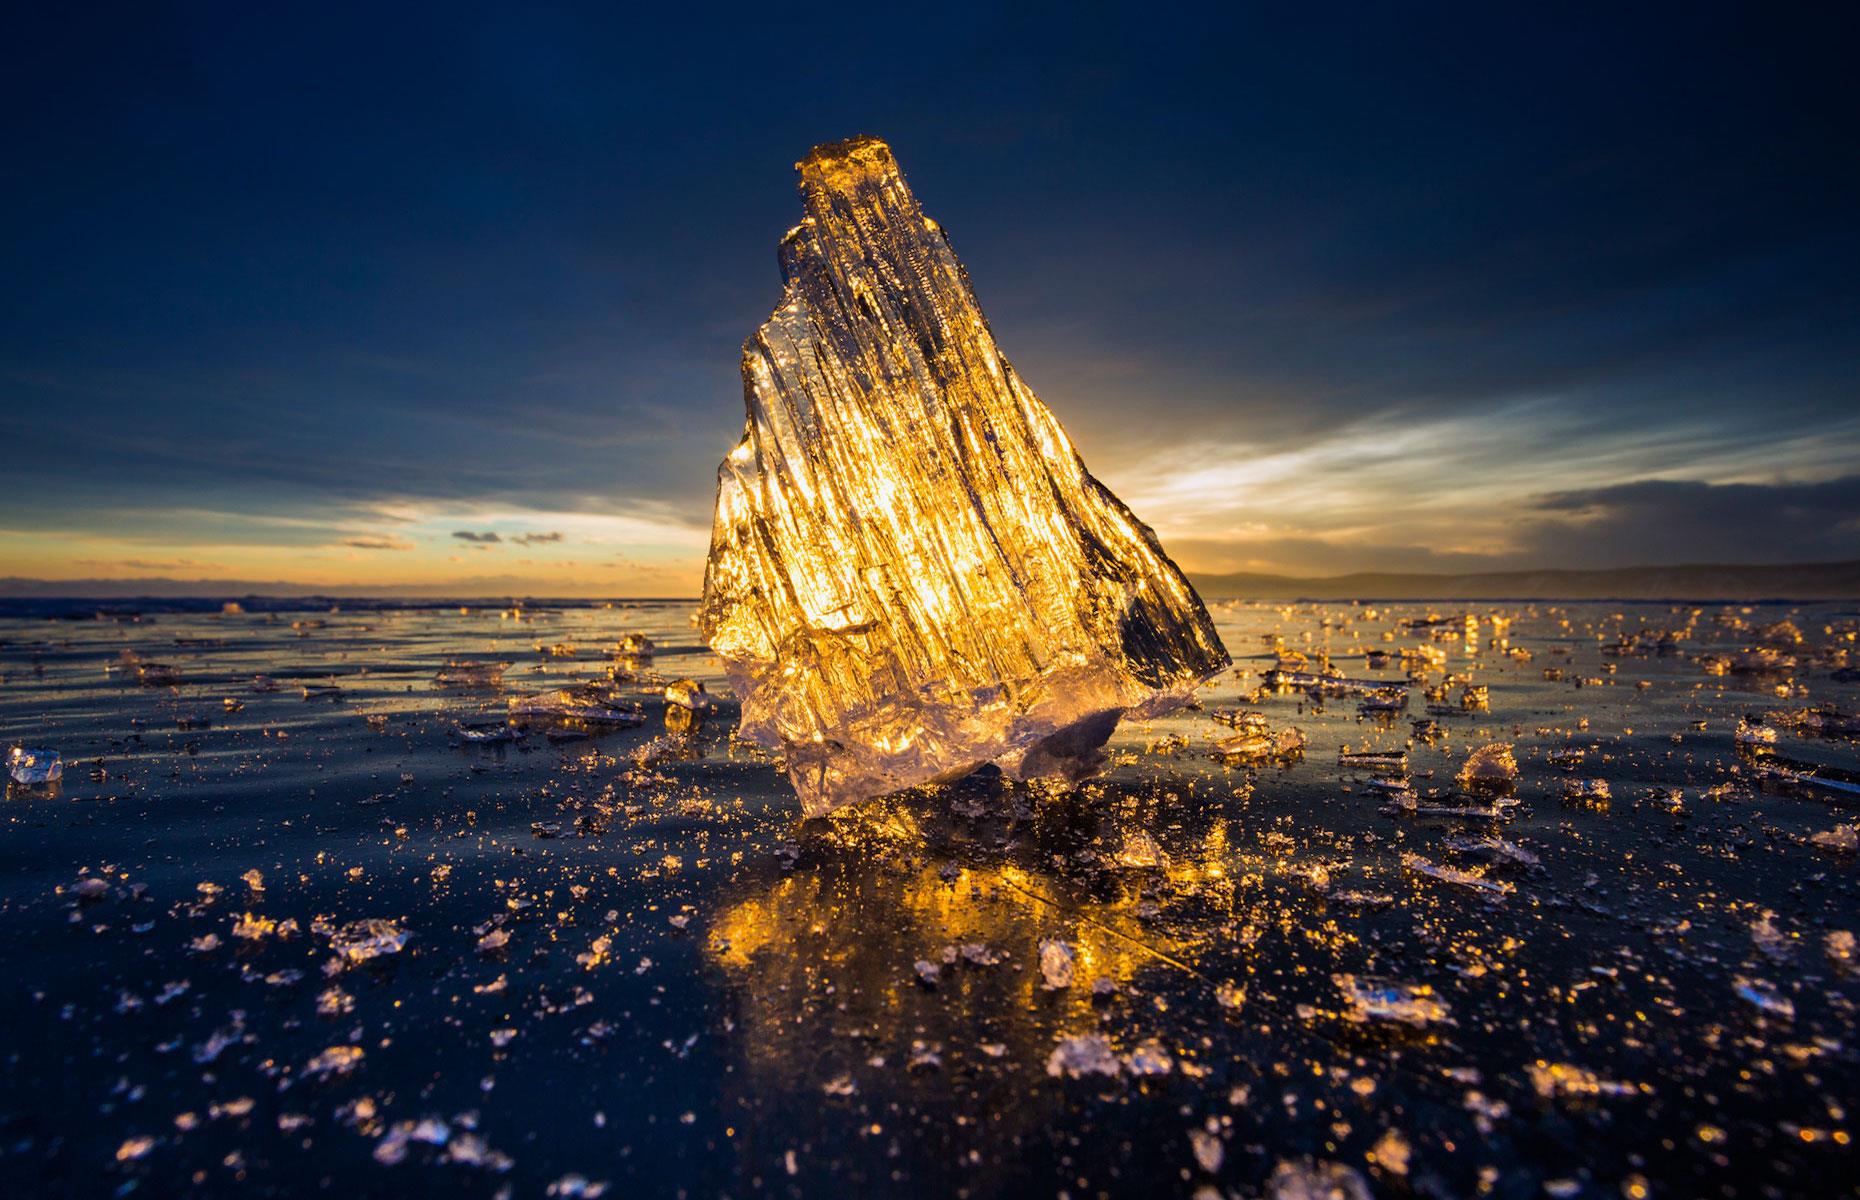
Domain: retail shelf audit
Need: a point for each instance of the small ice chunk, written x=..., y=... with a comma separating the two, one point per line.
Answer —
x=465, y=675
x=1586, y=791
x=1764, y=996
x=1209, y=1150
x=1495, y=849
x=1469, y=879
x=1139, y=851
x=34, y=768
x=689, y=694
x=1840, y=949
x=1491, y=767
x=589, y=703
x=1842, y=839
x=1149, y=1058
x=335, y=1060
x=1317, y=1181
x=371, y=937
x=1754, y=736
x=392, y=1148
x=134, y=1148
x=1775, y=944
x=1087, y=1055
x=1554, y=1080
x=1380, y=760
x=1244, y=749
x=1057, y=959
x=1391, y=1152
x=981, y=955
x=1375, y=998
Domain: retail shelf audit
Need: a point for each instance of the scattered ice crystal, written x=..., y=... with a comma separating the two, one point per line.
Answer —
x=911, y=572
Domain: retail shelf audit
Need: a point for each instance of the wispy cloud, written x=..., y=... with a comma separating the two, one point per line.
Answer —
x=167, y=565
x=1524, y=484
x=467, y=535
x=377, y=542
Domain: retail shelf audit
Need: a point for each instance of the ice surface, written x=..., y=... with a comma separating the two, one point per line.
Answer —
x=911, y=572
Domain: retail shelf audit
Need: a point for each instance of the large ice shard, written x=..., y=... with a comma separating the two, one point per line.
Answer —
x=911, y=572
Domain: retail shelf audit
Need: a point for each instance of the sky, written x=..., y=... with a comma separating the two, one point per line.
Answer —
x=453, y=296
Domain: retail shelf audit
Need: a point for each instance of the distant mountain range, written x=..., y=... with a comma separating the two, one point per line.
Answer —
x=1794, y=581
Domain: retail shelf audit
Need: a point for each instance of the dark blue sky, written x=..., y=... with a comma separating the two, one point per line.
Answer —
x=308, y=289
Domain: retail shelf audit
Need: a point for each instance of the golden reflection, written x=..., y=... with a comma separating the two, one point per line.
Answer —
x=823, y=962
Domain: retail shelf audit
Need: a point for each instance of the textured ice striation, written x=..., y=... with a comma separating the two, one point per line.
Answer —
x=911, y=572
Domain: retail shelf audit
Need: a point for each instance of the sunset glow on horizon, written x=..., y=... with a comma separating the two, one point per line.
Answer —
x=296, y=306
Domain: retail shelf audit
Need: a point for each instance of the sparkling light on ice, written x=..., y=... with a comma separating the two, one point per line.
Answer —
x=911, y=572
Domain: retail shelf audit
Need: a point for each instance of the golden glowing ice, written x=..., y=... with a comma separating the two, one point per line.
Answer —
x=911, y=572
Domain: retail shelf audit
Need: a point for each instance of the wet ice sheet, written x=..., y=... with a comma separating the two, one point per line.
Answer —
x=317, y=940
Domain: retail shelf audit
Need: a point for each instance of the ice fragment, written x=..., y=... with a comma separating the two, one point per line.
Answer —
x=1087, y=1055
x=911, y=572
x=34, y=768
